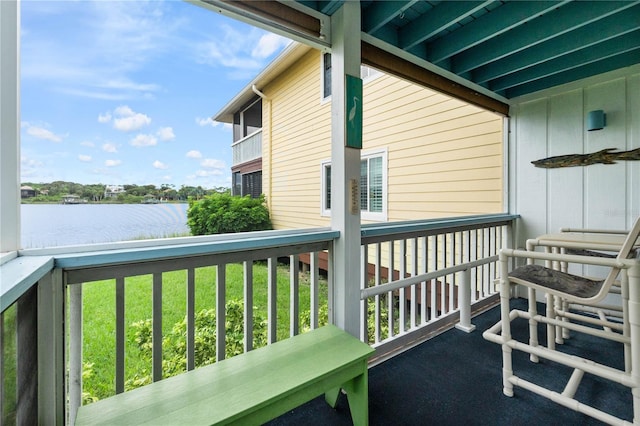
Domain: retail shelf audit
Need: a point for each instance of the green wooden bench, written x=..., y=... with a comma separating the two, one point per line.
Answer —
x=251, y=388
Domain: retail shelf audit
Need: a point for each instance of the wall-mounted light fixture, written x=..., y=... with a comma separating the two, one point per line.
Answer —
x=596, y=120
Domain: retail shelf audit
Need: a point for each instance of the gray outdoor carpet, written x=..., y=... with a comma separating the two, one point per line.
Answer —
x=455, y=379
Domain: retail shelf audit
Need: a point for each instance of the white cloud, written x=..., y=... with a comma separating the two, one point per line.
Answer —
x=104, y=118
x=166, y=134
x=207, y=173
x=109, y=147
x=127, y=120
x=268, y=44
x=41, y=133
x=144, y=140
x=127, y=84
x=194, y=154
x=112, y=163
x=160, y=165
x=206, y=122
x=117, y=40
x=212, y=163
x=29, y=162
x=84, y=158
x=243, y=51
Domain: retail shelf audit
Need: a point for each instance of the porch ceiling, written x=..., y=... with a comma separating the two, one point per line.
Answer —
x=510, y=48
x=496, y=48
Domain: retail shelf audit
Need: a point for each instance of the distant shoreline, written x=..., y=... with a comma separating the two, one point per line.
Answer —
x=103, y=202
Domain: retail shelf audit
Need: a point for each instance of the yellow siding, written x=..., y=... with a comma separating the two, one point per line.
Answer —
x=444, y=156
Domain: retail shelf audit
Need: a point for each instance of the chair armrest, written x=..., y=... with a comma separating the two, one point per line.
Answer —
x=569, y=258
x=596, y=231
x=532, y=243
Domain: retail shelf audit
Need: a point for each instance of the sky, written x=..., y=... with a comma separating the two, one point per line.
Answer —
x=122, y=92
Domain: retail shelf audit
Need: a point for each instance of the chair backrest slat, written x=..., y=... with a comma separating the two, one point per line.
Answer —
x=627, y=247
x=630, y=241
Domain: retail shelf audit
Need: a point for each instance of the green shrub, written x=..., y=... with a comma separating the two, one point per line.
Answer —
x=174, y=345
x=224, y=213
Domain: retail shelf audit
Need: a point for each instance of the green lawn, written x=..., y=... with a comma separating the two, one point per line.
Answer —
x=8, y=414
x=99, y=314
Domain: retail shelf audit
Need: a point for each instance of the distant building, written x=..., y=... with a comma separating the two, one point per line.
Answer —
x=112, y=191
x=73, y=199
x=27, y=192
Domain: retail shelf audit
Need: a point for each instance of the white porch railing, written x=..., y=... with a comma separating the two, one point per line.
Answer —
x=411, y=289
x=423, y=276
x=248, y=148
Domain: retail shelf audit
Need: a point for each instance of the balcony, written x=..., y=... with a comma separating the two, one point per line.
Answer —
x=248, y=148
x=421, y=278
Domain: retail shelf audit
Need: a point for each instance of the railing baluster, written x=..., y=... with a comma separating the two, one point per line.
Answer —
x=75, y=349
x=248, y=305
x=434, y=267
x=423, y=284
x=390, y=297
x=221, y=313
x=443, y=285
x=403, y=292
x=363, y=304
x=473, y=255
x=315, y=289
x=377, y=280
x=414, y=290
x=294, y=296
x=487, y=253
x=272, y=300
x=191, y=319
x=120, y=334
x=452, y=262
x=156, y=332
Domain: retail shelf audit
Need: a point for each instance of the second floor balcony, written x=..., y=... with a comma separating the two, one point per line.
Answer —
x=248, y=148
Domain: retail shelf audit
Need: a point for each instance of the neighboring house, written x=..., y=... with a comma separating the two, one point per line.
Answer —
x=27, y=192
x=112, y=191
x=424, y=154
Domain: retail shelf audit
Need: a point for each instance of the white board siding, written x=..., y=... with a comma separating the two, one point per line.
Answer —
x=553, y=123
x=444, y=156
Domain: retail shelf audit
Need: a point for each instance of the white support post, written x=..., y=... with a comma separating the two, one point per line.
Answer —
x=9, y=125
x=345, y=171
x=51, y=367
x=75, y=351
x=464, y=301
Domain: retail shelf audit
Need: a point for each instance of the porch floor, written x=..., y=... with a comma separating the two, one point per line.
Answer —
x=455, y=378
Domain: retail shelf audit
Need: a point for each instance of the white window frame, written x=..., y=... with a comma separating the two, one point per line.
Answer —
x=365, y=215
x=367, y=74
x=323, y=98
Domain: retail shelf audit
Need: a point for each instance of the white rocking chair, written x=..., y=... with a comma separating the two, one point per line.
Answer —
x=574, y=289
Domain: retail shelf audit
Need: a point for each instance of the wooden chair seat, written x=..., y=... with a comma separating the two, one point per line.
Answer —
x=574, y=285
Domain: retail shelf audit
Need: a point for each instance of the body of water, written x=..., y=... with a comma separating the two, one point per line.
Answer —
x=50, y=225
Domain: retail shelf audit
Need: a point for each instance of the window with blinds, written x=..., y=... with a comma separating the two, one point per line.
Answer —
x=373, y=184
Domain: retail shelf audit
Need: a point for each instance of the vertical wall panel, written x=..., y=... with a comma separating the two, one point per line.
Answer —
x=633, y=142
x=554, y=123
x=605, y=185
x=566, y=126
x=531, y=195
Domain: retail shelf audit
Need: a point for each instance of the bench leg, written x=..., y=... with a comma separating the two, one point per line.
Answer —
x=331, y=396
x=358, y=397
